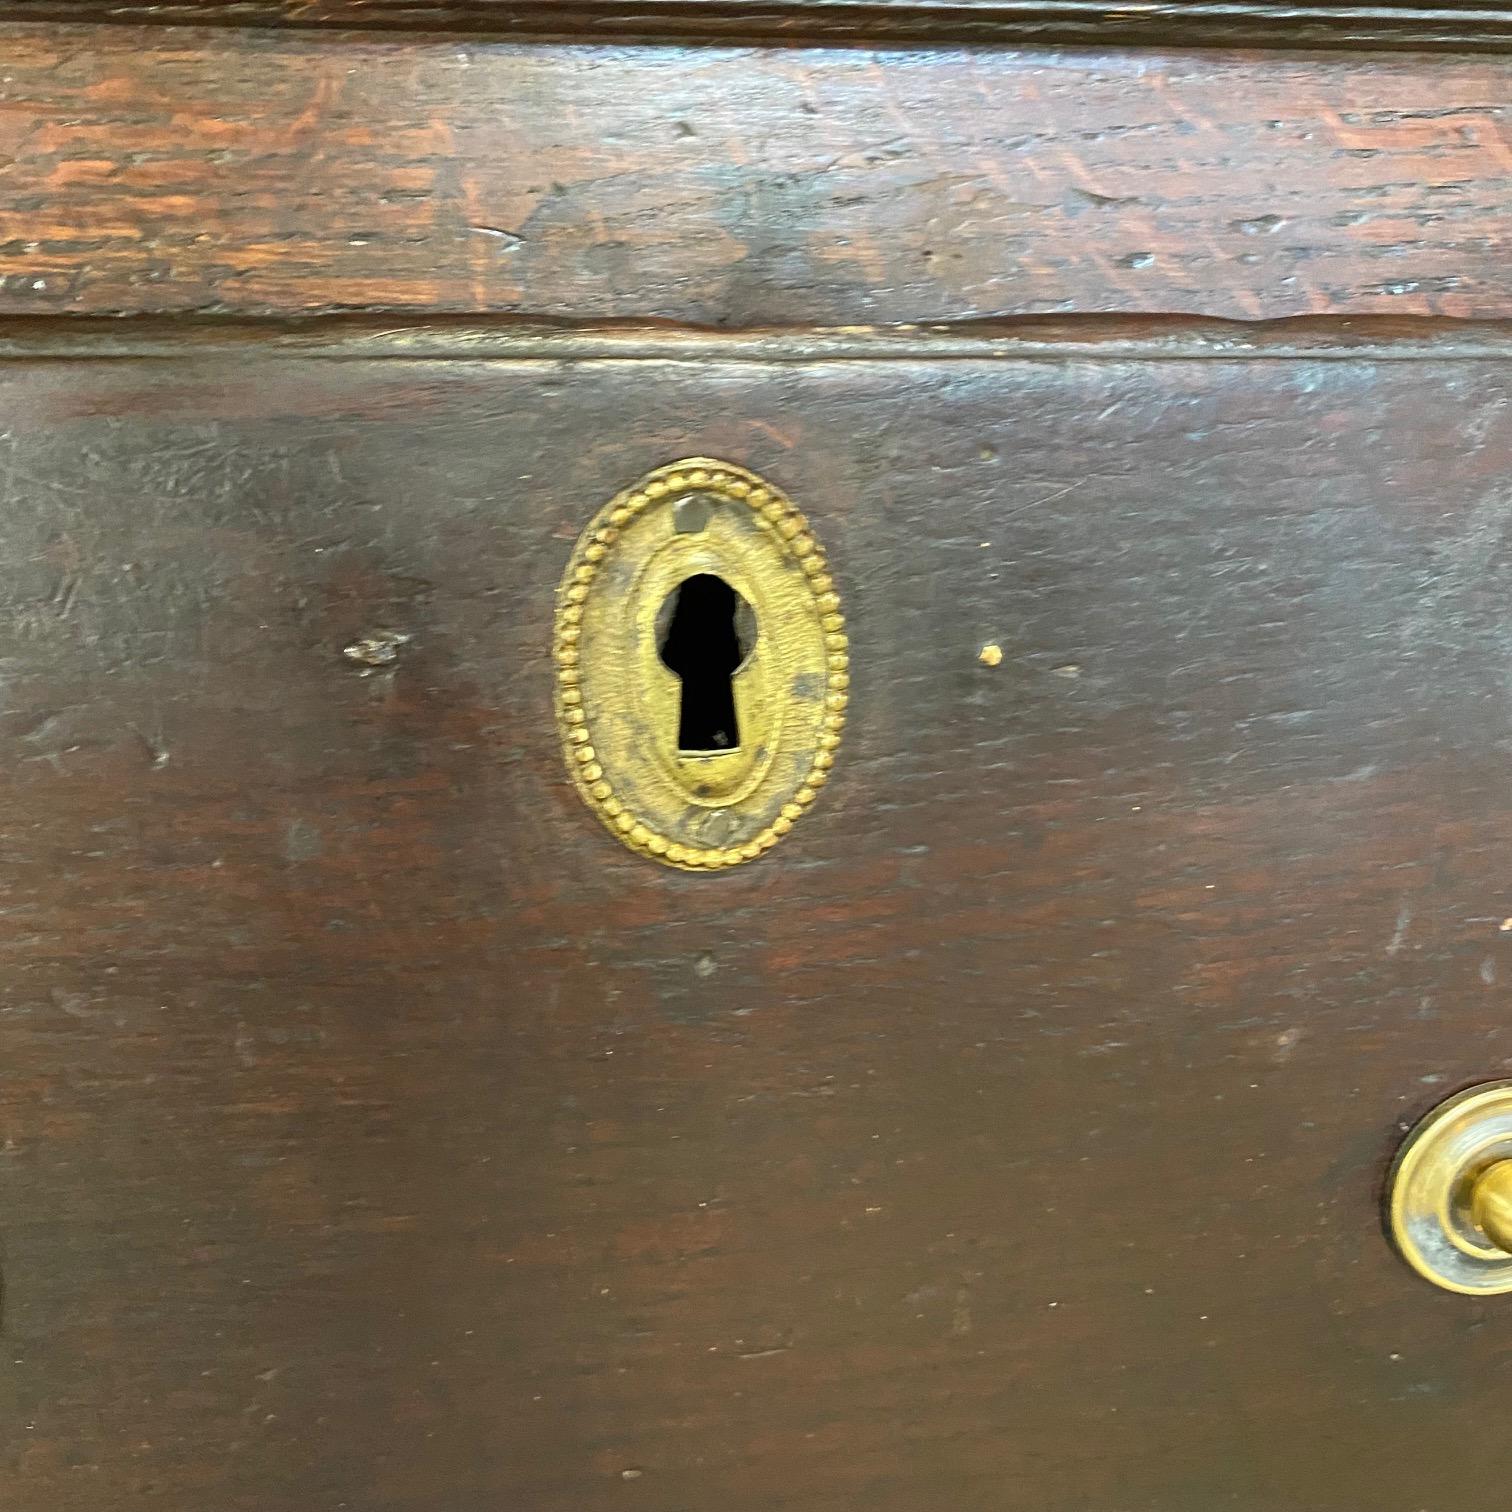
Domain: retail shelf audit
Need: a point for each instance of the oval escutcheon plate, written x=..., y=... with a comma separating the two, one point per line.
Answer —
x=702, y=665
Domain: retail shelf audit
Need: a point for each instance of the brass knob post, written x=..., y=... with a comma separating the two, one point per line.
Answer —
x=1491, y=1204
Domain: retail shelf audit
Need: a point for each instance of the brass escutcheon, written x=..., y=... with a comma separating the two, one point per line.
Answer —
x=702, y=665
x=1450, y=1196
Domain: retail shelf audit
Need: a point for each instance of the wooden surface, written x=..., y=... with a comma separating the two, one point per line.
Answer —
x=375, y=1132
x=1448, y=24
x=162, y=169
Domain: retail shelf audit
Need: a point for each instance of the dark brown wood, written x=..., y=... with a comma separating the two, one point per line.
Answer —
x=378, y=1133
x=154, y=169
x=1448, y=24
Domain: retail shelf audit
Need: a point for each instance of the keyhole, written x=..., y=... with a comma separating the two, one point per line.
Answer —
x=705, y=631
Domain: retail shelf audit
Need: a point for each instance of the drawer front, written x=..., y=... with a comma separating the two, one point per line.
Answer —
x=379, y=1132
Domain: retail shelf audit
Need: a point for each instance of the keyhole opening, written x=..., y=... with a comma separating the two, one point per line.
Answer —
x=705, y=632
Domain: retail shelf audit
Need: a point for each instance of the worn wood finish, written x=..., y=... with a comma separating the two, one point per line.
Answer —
x=1468, y=25
x=155, y=169
x=378, y=1133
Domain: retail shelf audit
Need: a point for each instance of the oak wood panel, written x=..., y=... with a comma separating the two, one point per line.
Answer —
x=376, y=1132
x=159, y=169
x=1448, y=24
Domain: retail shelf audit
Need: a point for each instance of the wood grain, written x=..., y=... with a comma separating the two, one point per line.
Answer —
x=375, y=1131
x=1465, y=25
x=168, y=170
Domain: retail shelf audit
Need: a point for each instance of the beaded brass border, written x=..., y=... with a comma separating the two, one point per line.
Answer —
x=791, y=532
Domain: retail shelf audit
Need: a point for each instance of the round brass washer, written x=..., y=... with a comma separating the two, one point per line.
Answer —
x=1428, y=1202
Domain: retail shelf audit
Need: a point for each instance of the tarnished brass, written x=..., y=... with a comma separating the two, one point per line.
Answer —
x=1451, y=1193
x=619, y=703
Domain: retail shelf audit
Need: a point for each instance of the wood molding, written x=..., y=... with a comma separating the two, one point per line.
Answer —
x=1091, y=338
x=1455, y=25
x=287, y=173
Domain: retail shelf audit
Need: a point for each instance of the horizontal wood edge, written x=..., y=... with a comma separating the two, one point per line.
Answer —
x=508, y=339
x=267, y=174
x=1190, y=23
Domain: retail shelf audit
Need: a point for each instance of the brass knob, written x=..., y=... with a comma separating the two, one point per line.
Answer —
x=1451, y=1193
x=1491, y=1204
